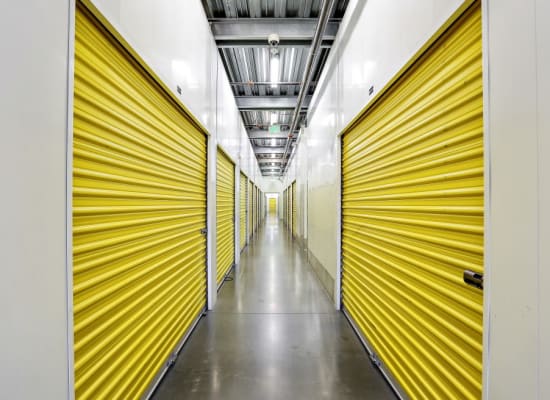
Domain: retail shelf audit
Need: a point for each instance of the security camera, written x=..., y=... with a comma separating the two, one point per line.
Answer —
x=273, y=39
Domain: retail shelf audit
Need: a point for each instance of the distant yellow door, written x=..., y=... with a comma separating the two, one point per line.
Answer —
x=242, y=206
x=273, y=206
x=225, y=214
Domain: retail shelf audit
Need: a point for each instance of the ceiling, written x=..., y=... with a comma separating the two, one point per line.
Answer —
x=241, y=29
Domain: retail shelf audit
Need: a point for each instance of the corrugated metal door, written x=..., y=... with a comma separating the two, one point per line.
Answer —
x=285, y=207
x=139, y=204
x=249, y=211
x=294, y=208
x=272, y=206
x=225, y=215
x=253, y=208
x=262, y=208
x=289, y=208
x=257, y=207
x=413, y=220
x=243, y=186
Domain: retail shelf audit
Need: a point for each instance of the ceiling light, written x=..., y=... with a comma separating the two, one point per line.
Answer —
x=274, y=69
x=274, y=118
x=273, y=142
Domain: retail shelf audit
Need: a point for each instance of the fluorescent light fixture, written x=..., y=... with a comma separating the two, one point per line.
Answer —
x=273, y=142
x=274, y=117
x=274, y=70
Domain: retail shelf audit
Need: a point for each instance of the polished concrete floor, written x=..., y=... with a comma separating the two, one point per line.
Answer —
x=274, y=334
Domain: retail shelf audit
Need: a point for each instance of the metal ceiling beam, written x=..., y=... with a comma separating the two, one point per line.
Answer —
x=268, y=161
x=253, y=32
x=269, y=150
x=263, y=169
x=231, y=44
x=258, y=103
x=265, y=134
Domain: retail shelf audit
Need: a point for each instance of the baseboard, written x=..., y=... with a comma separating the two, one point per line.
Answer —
x=326, y=280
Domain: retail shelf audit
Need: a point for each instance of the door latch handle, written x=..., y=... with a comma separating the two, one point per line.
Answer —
x=204, y=231
x=473, y=279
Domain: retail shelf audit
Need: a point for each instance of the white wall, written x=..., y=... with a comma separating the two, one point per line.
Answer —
x=34, y=38
x=517, y=109
x=376, y=39
x=170, y=37
x=174, y=39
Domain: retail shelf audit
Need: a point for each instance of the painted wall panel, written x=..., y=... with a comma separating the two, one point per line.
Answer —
x=228, y=121
x=33, y=235
x=519, y=211
x=387, y=37
x=543, y=122
x=174, y=38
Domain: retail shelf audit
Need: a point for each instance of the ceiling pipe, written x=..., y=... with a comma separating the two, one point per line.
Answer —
x=324, y=16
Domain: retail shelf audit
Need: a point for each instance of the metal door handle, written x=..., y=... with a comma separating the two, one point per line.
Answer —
x=473, y=279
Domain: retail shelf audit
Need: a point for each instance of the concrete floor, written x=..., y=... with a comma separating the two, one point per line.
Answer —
x=274, y=334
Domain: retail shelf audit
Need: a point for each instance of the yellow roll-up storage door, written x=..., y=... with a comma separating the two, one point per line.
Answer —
x=139, y=204
x=254, y=208
x=413, y=219
x=272, y=205
x=249, y=211
x=289, y=208
x=243, y=186
x=294, y=208
x=285, y=207
x=258, y=200
x=225, y=215
x=262, y=207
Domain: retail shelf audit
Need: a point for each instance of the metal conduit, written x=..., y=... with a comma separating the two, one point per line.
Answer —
x=324, y=16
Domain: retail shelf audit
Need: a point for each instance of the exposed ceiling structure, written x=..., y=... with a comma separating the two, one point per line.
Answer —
x=266, y=78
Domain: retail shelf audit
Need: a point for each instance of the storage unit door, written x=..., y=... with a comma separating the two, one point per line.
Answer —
x=256, y=207
x=243, y=187
x=253, y=208
x=413, y=193
x=273, y=206
x=260, y=205
x=139, y=204
x=250, y=208
x=294, y=209
x=225, y=215
x=257, y=211
x=285, y=211
x=289, y=209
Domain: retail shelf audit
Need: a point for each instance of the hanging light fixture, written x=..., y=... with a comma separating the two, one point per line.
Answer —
x=274, y=60
x=274, y=69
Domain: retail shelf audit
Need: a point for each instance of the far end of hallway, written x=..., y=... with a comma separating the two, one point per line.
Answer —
x=274, y=334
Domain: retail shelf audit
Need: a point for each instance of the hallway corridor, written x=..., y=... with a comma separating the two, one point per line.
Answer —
x=274, y=334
